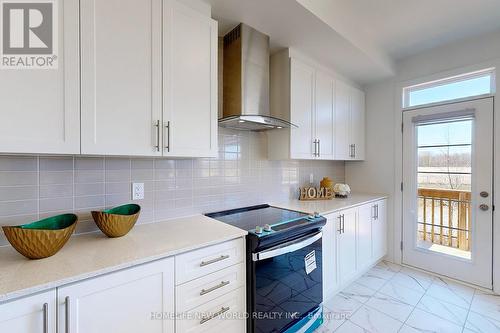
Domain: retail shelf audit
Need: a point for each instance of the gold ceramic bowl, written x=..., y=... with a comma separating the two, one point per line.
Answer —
x=43, y=238
x=118, y=221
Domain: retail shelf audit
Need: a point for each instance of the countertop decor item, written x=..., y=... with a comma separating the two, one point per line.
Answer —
x=326, y=182
x=41, y=239
x=342, y=190
x=117, y=221
x=316, y=193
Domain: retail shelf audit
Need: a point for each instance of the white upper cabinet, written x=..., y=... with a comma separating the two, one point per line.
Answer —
x=301, y=110
x=349, y=122
x=357, y=126
x=189, y=82
x=329, y=113
x=40, y=108
x=324, y=113
x=121, y=76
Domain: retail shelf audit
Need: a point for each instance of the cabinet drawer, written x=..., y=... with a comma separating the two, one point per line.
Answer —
x=198, y=263
x=223, y=314
x=197, y=292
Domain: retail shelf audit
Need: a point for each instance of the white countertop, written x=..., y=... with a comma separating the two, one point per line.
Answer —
x=329, y=206
x=93, y=254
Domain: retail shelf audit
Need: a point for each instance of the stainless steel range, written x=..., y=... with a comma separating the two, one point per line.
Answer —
x=284, y=267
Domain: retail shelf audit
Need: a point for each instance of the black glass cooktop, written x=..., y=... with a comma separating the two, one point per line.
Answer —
x=250, y=217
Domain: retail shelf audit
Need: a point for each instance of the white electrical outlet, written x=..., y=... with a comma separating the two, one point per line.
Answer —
x=137, y=191
x=311, y=178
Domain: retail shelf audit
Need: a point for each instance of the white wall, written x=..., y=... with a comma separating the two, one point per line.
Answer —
x=381, y=172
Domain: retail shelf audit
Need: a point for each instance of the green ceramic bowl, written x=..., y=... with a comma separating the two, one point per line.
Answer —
x=41, y=239
x=117, y=221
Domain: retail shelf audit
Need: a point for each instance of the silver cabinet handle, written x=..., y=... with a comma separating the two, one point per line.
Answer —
x=315, y=148
x=213, y=261
x=340, y=224
x=209, y=290
x=350, y=151
x=377, y=210
x=67, y=310
x=343, y=224
x=319, y=147
x=157, y=125
x=354, y=150
x=167, y=127
x=46, y=318
x=214, y=315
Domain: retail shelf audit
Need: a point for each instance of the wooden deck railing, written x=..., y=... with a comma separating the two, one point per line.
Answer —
x=444, y=217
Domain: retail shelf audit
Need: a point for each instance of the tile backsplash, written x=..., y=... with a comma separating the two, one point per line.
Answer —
x=34, y=187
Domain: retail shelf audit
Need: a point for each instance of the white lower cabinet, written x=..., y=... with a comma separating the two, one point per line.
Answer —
x=33, y=314
x=354, y=239
x=138, y=299
x=346, y=244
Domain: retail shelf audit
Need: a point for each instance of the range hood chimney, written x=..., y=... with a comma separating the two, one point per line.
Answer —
x=246, y=82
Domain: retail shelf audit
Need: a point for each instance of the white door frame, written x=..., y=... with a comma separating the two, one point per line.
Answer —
x=396, y=254
x=478, y=269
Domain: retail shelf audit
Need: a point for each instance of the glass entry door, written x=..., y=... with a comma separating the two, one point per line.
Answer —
x=447, y=196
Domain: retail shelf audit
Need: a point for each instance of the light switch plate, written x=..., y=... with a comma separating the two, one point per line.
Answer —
x=137, y=191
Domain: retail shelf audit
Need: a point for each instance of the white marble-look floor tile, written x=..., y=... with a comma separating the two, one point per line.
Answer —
x=371, y=281
x=486, y=304
x=408, y=329
x=482, y=324
x=425, y=322
x=390, y=306
x=461, y=296
x=375, y=321
x=381, y=272
x=389, y=266
x=413, y=279
x=349, y=327
x=444, y=310
x=331, y=321
x=337, y=310
x=402, y=293
x=358, y=292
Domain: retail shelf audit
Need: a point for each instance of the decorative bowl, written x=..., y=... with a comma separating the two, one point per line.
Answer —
x=41, y=239
x=117, y=221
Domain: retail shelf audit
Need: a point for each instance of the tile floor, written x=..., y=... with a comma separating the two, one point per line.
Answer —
x=391, y=298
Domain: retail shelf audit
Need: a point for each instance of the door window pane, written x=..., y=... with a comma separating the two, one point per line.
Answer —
x=467, y=85
x=444, y=186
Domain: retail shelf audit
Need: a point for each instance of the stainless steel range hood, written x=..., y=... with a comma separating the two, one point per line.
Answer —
x=246, y=82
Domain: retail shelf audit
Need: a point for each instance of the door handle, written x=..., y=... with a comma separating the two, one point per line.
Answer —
x=157, y=125
x=484, y=207
x=67, y=310
x=167, y=127
x=46, y=318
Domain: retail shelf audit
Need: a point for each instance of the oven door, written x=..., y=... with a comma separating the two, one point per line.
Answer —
x=288, y=283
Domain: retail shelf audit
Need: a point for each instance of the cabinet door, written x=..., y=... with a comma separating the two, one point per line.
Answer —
x=134, y=300
x=357, y=121
x=380, y=230
x=32, y=314
x=364, y=241
x=342, y=121
x=121, y=76
x=346, y=245
x=189, y=82
x=330, y=283
x=324, y=100
x=301, y=110
x=40, y=110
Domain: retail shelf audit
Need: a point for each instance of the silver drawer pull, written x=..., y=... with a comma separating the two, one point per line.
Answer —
x=209, y=290
x=214, y=315
x=46, y=318
x=213, y=261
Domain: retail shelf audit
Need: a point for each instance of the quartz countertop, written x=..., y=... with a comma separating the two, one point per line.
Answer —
x=93, y=254
x=329, y=206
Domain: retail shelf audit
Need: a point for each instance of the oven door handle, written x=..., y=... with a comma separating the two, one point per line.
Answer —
x=288, y=247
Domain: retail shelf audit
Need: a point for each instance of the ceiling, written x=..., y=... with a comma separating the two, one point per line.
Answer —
x=361, y=39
